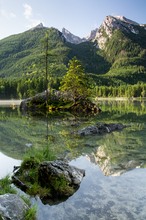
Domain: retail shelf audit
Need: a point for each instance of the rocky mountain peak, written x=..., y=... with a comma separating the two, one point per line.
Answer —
x=119, y=22
x=92, y=34
x=110, y=24
x=126, y=20
x=39, y=26
x=71, y=37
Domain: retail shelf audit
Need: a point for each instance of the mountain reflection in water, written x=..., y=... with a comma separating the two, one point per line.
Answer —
x=104, y=193
x=101, y=197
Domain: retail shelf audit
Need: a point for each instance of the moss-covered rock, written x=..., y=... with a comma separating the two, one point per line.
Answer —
x=58, y=101
x=52, y=181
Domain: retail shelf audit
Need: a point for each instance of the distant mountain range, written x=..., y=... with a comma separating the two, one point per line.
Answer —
x=113, y=54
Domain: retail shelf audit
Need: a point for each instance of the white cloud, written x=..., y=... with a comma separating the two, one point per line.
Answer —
x=29, y=16
x=27, y=11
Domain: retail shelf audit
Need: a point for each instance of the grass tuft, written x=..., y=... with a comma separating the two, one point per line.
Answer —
x=5, y=186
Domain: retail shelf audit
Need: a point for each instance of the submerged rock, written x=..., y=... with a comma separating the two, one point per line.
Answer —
x=100, y=128
x=12, y=207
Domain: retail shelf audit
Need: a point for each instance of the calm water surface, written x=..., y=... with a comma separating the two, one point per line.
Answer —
x=114, y=187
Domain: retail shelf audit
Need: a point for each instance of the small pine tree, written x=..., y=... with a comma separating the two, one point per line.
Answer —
x=75, y=82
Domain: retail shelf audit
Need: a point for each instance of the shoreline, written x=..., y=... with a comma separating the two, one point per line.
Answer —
x=120, y=99
x=16, y=102
x=11, y=102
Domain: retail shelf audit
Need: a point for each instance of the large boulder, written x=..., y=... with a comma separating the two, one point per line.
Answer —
x=57, y=100
x=40, y=100
x=62, y=178
x=12, y=207
x=100, y=128
x=55, y=180
x=58, y=168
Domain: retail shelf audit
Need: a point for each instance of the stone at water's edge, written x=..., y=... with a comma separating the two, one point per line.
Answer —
x=12, y=207
x=100, y=128
x=40, y=99
x=58, y=101
x=57, y=180
x=59, y=169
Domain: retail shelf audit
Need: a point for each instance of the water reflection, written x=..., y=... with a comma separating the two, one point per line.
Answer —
x=126, y=150
x=7, y=165
x=104, y=193
x=101, y=197
x=115, y=153
x=122, y=151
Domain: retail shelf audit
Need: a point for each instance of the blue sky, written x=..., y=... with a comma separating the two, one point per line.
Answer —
x=78, y=16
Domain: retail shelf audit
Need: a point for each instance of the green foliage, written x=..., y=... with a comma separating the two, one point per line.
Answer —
x=121, y=46
x=36, y=156
x=22, y=64
x=31, y=213
x=137, y=90
x=19, y=52
x=127, y=57
x=5, y=186
x=91, y=58
x=75, y=82
x=29, y=170
x=26, y=200
x=28, y=174
x=61, y=186
x=29, y=163
x=36, y=189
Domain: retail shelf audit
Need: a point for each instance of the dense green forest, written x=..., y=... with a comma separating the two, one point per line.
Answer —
x=117, y=70
x=137, y=90
x=25, y=88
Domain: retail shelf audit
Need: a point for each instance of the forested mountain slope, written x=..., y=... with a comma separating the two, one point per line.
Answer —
x=19, y=53
x=113, y=55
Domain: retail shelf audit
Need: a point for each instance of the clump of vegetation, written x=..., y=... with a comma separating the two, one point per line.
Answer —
x=61, y=186
x=27, y=177
x=5, y=186
x=35, y=156
x=31, y=213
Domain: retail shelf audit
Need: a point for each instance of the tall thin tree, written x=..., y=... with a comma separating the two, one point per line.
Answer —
x=46, y=65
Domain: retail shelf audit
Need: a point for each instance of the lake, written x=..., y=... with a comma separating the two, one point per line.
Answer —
x=114, y=186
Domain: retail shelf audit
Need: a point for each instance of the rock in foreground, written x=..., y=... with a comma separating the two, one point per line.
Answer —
x=56, y=180
x=12, y=207
x=56, y=169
